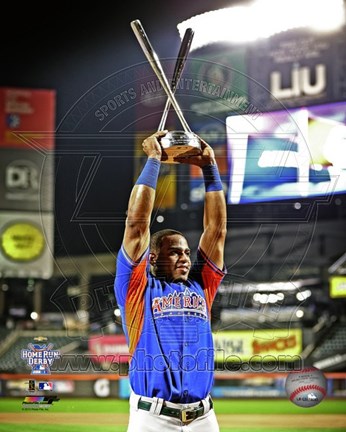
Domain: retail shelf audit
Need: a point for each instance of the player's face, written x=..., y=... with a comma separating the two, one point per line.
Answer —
x=173, y=260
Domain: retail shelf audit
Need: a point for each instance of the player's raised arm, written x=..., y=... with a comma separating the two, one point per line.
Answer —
x=213, y=238
x=136, y=236
x=212, y=241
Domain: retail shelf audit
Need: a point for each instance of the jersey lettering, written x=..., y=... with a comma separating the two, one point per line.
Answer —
x=180, y=303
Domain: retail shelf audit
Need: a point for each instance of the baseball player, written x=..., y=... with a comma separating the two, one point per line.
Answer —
x=166, y=301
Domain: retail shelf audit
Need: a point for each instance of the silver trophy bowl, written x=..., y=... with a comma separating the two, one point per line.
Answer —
x=179, y=143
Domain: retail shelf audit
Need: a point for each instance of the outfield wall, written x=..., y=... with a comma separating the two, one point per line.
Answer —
x=227, y=385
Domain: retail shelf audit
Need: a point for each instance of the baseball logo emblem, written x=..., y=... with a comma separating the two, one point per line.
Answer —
x=306, y=387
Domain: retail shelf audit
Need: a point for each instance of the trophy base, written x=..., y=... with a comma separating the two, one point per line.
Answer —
x=179, y=143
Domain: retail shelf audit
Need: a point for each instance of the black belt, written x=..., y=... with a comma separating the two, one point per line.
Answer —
x=186, y=415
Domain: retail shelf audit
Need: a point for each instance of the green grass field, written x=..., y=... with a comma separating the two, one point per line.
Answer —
x=234, y=415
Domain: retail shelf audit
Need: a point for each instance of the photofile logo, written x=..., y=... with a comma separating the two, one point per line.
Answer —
x=39, y=402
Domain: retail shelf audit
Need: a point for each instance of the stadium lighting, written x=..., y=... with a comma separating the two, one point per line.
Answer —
x=34, y=316
x=262, y=19
x=301, y=296
x=300, y=313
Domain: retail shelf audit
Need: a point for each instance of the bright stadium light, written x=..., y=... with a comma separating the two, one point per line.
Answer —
x=262, y=19
x=34, y=315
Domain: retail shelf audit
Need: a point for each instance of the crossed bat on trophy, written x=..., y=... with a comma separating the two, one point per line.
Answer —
x=174, y=143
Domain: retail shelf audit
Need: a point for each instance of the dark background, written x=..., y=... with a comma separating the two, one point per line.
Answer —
x=71, y=47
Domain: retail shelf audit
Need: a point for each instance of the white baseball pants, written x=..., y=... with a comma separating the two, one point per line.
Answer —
x=150, y=421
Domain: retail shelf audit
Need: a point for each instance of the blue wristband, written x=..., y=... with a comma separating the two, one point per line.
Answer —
x=149, y=173
x=212, y=178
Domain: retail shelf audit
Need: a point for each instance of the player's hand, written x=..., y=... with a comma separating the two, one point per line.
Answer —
x=151, y=145
x=206, y=157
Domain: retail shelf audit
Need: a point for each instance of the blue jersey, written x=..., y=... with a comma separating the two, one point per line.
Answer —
x=168, y=330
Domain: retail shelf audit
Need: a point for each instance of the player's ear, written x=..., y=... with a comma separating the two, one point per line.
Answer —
x=152, y=258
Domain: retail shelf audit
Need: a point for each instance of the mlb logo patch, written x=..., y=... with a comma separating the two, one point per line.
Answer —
x=46, y=385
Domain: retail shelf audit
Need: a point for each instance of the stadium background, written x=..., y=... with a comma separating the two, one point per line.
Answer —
x=283, y=300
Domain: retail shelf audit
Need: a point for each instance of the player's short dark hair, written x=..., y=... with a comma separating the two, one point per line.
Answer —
x=158, y=236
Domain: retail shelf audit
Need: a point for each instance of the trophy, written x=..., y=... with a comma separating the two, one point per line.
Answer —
x=175, y=143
